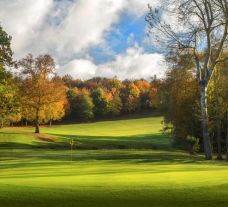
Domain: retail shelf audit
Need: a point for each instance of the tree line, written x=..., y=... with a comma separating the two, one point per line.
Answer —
x=199, y=30
x=180, y=99
x=35, y=94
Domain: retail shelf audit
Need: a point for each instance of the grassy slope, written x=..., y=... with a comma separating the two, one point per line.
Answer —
x=103, y=178
x=134, y=133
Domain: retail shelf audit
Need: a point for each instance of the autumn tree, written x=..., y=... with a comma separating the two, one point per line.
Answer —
x=130, y=96
x=115, y=105
x=113, y=84
x=182, y=104
x=149, y=98
x=39, y=91
x=70, y=82
x=56, y=110
x=201, y=23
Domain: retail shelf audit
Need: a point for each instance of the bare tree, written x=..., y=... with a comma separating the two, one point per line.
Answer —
x=202, y=32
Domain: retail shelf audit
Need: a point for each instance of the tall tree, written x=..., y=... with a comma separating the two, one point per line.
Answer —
x=9, y=104
x=200, y=23
x=214, y=109
x=130, y=96
x=38, y=90
x=5, y=49
x=181, y=97
x=100, y=102
x=115, y=105
x=84, y=106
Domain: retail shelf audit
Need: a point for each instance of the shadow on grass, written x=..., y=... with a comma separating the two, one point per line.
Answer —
x=62, y=141
x=141, y=141
x=42, y=157
x=42, y=163
x=137, y=149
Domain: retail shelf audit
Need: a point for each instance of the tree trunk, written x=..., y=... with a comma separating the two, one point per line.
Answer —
x=218, y=120
x=2, y=124
x=218, y=136
x=50, y=123
x=227, y=135
x=71, y=151
x=26, y=123
x=204, y=117
x=37, y=125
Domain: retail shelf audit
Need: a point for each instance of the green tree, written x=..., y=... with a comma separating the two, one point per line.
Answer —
x=71, y=95
x=100, y=102
x=83, y=105
x=115, y=105
x=9, y=104
x=5, y=49
x=180, y=99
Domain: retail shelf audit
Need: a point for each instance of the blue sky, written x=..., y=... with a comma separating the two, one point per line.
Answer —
x=86, y=38
x=126, y=33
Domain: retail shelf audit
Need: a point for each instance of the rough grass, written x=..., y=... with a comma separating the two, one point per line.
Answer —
x=40, y=177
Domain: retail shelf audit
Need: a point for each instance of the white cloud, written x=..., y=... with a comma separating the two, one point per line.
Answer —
x=139, y=7
x=133, y=64
x=21, y=19
x=69, y=29
x=86, y=24
x=79, y=68
x=83, y=25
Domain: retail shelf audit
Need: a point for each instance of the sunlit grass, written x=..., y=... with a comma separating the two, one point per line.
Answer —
x=141, y=133
x=40, y=173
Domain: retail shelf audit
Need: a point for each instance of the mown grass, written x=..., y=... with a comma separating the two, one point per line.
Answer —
x=142, y=133
x=45, y=176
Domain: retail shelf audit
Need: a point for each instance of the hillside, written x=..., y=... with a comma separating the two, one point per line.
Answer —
x=140, y=133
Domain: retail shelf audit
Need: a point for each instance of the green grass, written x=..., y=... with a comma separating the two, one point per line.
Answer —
x=39, y=173
x=139, y=133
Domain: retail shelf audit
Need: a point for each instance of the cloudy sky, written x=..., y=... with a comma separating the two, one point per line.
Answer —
x=87, y=38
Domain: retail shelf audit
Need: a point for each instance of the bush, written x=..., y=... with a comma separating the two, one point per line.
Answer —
x=193, y=144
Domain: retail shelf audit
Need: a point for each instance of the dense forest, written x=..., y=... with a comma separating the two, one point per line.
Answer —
x=40, y=96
